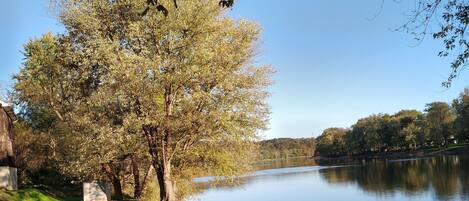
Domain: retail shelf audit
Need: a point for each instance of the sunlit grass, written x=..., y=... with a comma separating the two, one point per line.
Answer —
x=30, y=194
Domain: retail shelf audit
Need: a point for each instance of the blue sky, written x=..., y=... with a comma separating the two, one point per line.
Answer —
x=334, y=64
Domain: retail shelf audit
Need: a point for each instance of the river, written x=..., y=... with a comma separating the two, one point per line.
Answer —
x=436, y=178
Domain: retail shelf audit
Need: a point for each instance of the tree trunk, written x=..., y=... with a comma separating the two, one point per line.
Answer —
x=138, y=187
x=163, y=173
x=115, y=180
x=163, y=169
x=160, y=149
x=116, y=184
x=161, y=163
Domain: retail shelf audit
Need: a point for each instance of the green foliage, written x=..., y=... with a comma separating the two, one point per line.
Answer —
x=405, y=130
x=450, y=18
x=40, y=153
x=26, y=195
x=332, y=142
x=79, y=136
x=440, y=122
x=461, y=105
x=176, y=91
x=282, y=148
x=410, y=134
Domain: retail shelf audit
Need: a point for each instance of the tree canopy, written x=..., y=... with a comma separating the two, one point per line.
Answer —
x=177, y=91
x=282, y=148
x=405, y=130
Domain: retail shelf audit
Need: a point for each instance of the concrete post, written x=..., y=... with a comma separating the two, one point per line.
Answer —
x=8, y=178
x=96, y=191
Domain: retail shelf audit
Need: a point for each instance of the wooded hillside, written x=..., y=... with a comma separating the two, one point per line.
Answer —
x=286, y=148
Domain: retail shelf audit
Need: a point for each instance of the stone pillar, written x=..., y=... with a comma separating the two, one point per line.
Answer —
x=8, y=171
x=96, y=191
x=8, y=178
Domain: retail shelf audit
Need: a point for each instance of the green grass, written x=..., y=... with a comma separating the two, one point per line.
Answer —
x=30, y=194
x=449, y=148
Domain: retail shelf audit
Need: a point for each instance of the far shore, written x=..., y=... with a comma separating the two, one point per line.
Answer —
x=455, y=149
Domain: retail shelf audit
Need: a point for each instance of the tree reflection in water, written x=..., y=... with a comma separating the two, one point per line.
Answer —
x=447, y=176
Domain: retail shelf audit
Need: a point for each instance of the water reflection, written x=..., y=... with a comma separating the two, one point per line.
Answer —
x=446, y=177
x=437, y=178
x=291, y=162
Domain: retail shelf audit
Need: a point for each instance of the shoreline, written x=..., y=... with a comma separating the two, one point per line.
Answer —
x=430, y=152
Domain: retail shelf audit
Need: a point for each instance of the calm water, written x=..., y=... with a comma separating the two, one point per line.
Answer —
x=437, y=178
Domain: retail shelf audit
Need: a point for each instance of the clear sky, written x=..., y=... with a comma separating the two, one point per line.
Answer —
x=334, y=63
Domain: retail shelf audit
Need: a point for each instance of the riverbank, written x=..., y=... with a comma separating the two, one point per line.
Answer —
x=454, y=149
x=33, y=194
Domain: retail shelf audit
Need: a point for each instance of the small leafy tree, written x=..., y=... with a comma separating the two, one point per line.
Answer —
x=461, y=105
x=410, y=133
x=440, y=119
x=409, y=129
x=332, y=142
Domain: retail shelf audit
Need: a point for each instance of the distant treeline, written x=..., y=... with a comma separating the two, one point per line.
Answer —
x=286, y=148
x=439, y=125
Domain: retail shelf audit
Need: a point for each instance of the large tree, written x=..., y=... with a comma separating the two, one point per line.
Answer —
x=55, y=79
x=183, y=83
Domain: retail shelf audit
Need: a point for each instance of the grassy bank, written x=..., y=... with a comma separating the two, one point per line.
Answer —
x=32, y=194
